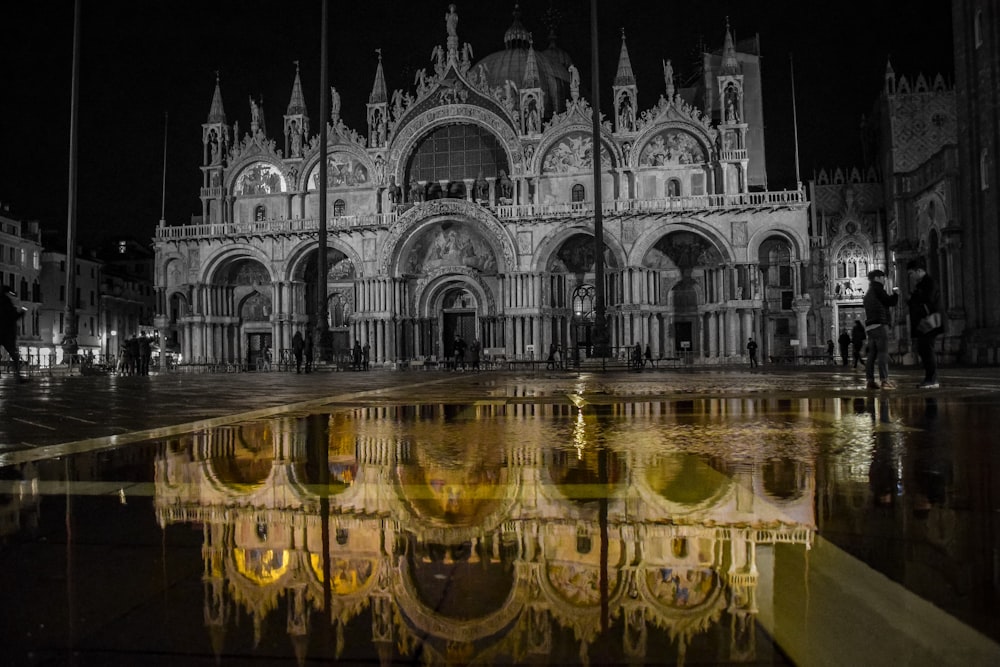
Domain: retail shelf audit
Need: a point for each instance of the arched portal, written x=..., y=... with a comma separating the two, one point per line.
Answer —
x=572, y=275
x=686, y=267
x=240, y=289
x=340, y=277
x=778, y=279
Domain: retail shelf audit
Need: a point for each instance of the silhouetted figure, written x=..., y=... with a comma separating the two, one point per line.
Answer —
x=925, y=318
x=356, y=355
x=298, y=350
x=309, y=350
x=845, y=346
x=9, y=315
x=752, y=352
x=858, y=337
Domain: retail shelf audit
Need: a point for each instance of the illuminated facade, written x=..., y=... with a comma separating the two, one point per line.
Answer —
x=468, y=210
x=513, y=526
x=20, y=266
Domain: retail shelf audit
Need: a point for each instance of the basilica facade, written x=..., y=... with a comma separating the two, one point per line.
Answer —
x=467, y=212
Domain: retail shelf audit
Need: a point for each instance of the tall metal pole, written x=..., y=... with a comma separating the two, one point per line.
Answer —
x=322, y=307
x=795, y=123
x=163, y=191
x=600, y=322
x=69, y=341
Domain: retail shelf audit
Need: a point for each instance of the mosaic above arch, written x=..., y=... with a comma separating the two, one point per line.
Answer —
x=260, y=178
x=683, y=250
x=672, y=147
x=450, y=243
x=573, y=153
x=342, y=169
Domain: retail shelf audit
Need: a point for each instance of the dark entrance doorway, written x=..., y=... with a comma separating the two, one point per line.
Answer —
x=683, y=339
x=258, y=349
x=458, y=323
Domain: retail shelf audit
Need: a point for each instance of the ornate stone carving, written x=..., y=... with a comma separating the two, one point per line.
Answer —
x=457, y=208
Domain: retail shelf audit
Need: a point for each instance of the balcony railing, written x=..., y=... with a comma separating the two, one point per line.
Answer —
x=742, y=201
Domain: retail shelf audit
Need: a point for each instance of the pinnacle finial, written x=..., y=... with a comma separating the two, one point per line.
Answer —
x=379, y=52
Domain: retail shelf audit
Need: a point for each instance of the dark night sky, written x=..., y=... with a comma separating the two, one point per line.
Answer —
x=140, y=59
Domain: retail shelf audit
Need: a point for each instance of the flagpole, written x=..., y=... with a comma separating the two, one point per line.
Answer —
x=70, y=346
x=163, y=193
x=322, y=308
x=795, y=123
x=600, y=324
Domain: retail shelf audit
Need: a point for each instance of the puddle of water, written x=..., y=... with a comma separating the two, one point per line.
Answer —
x=585, y=530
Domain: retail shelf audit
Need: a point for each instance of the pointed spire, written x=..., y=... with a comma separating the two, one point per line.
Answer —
x=531, y=79
x=379, y=93
x=217, y=114
x=890, y=77
x=297, y=103
x=624, y=77
x=730, y=65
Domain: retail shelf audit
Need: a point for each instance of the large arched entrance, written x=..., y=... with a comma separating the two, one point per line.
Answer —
x=684, y=263
x=340, y=277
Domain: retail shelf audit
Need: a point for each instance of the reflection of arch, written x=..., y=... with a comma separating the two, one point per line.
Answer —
x=687, y=483
x=783, y=479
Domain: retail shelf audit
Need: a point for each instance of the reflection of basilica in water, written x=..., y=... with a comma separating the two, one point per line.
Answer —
x=439, y=541
x=468, y=210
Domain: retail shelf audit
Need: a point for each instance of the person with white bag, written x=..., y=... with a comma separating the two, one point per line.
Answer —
x=925, y=318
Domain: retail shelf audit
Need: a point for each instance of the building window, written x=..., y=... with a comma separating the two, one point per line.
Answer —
x=673, y=188
x=977, y=28
x=578, y=194
x=338, y=207
x=259, y=214
x=984, y=169
x=62, y=293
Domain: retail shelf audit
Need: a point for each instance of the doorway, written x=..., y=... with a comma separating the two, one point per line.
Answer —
x=683, y=338
x=458, y=323
x=258, y=350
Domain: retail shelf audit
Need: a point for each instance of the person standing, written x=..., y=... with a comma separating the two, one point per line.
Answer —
x=858, y=337
x=309, y=350
x=829, y=352
x=752, y=352
x=9, y=315
x=356, y=355
x=366, y=355
x=845, y=346
x=925, y=300
x=474, y=350
x=877, y=320
x=145, y=354
x=649, y=357
x=298, y=350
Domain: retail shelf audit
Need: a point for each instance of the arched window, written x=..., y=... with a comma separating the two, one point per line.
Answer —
x=984, y=169
x=578, y=194
x=583, y=301
x=338, y=207
x=977, y=28
x=673, y=188
x=259, y=213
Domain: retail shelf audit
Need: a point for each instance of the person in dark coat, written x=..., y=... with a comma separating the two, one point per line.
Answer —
x=858, y=337
x=309, y=350
x=356, y=353
x=925, y=300
x=752, y=352
x=298, y=350
x=845, y=346
x=877, y=321
x=9, y=315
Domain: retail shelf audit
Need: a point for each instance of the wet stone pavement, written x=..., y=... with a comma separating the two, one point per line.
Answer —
x=698, y=516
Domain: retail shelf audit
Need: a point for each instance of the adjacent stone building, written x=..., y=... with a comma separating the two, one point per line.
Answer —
x=467, y=211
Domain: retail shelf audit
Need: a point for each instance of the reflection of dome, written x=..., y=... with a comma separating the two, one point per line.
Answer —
x=579, y=479
x=512, y=61
x=462, y=590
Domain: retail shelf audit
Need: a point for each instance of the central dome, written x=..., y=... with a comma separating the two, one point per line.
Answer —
x=511, y=63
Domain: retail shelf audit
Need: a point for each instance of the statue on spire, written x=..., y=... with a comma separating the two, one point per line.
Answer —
x=451, y=23
x=668, y=78
x=334, y=105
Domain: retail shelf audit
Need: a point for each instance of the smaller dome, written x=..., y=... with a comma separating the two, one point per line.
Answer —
x=517, y=34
